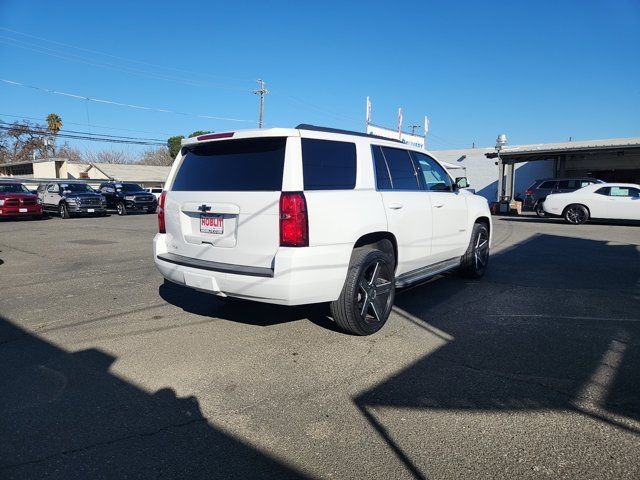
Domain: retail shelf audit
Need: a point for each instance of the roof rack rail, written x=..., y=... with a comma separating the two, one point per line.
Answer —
x=315, y=128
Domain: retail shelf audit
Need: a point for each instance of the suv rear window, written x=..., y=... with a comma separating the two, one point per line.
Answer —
x=254, y=164
x=328, y=165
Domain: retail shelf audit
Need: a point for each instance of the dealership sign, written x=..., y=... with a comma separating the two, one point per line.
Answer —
x=408, y=138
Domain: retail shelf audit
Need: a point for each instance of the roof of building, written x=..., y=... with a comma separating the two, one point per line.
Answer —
x=555, y=148
x=133, y=172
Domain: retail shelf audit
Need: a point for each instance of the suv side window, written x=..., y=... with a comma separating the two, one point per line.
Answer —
x=622, y=192
x=436, y=179
x=53, y=188
x=395, y=169
x=328, y=165
x=569, y=184
x=548, y=185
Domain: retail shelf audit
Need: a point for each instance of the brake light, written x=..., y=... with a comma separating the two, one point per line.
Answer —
x=213, y=136
x=529, y=192
x=162, y=228
x=294, y=224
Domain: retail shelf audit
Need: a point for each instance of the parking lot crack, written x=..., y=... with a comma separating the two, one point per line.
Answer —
x=103, y=444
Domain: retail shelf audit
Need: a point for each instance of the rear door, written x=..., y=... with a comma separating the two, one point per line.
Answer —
x=406, y=204
x=223, y=203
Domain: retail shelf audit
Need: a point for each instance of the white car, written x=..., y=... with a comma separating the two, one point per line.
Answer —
x=310, y=215
x=618, y=201
x=156, y=191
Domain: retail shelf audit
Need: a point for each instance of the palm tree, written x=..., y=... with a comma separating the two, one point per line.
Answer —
x=54, y=122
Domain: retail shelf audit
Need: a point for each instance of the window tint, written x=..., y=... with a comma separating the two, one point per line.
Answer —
x=550, y=185
x=401, y=169
x=569, y=184
x=584, y=183
x=435, y=177
x=233, y=165
x=603, y=191
x=328, y=165
x=383, y=181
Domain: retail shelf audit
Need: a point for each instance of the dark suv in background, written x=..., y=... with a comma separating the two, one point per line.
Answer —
x=125, y=197
x=538, y=191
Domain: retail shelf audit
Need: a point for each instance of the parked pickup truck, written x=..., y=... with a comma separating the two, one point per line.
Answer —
x=18, y=201
x=69, y=198
x=125, y=197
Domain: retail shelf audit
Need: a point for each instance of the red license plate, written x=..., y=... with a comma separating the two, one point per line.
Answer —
x=210, y=223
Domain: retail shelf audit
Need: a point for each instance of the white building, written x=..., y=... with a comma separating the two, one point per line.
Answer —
x=34, y=172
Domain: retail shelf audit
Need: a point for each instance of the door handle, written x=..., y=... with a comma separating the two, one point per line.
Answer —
x=395, y=206
x=438, y=204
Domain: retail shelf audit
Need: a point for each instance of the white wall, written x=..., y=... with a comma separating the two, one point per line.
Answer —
x=482, y=172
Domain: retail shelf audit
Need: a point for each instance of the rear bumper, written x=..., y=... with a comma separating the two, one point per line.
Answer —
x=15, y=211
x=298, y=275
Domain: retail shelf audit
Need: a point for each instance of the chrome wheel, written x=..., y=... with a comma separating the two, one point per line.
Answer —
x=576, y=215
x=374, y=292
x=481, y=250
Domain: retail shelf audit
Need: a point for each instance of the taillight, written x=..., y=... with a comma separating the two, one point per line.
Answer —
x=162, y=228
x=529, y=192
x=294, y=224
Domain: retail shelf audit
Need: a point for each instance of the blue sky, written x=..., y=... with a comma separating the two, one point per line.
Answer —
x=539, y=71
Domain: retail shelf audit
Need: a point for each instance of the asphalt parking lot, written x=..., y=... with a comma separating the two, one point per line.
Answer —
x=533, y=371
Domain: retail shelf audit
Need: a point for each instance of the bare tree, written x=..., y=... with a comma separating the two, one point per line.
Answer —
x=70, y=153
x=23, y=140
x=156, y=156
x=108, y=156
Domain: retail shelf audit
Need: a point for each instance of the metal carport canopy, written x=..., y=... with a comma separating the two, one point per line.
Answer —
x=544, y=151
x=509, y=156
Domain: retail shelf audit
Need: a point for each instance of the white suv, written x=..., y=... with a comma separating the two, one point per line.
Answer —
x=311, y=214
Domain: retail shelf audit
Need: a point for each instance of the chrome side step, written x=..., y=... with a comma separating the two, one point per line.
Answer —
x=421, y=274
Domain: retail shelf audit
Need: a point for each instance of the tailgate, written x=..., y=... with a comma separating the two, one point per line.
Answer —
x=223, y=204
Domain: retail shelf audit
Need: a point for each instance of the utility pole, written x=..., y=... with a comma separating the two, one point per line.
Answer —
x=262, y=92
x=413, y=128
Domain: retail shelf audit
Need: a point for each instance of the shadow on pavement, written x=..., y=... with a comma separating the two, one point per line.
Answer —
x=63, y=415
x=240, y=311
x=559, y=331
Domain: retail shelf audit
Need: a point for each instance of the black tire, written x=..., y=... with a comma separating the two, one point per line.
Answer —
x=367, y=296
x=476, y=259
x=539, y=210
x=122, y=210
x=576, y=214
x=63, y=211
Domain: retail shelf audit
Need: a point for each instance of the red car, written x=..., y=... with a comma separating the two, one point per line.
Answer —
x=17, y=201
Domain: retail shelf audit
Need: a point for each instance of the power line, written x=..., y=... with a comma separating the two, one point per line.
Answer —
x=39, y=119
x=179, y=70
x=46, y=50
x=121, y=104
x=71, y=134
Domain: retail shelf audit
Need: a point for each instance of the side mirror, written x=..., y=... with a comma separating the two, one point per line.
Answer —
x=461, y=182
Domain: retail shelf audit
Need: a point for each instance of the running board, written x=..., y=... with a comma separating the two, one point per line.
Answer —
x=421, y=274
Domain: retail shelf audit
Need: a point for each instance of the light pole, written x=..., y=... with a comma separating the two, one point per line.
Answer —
x=501, y=141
